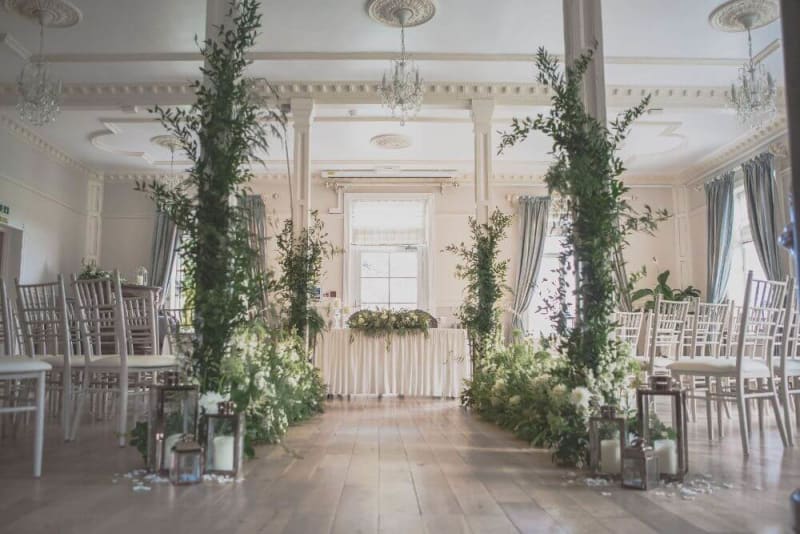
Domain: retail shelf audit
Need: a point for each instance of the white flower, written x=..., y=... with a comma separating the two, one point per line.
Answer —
x=580, y=397
x=209, y=401
x=499, y=385
x=560, y=391
x=513, y=401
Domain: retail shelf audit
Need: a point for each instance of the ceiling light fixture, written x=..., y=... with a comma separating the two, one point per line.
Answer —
x=402, y=89
x=38, y=91
x=753, y=94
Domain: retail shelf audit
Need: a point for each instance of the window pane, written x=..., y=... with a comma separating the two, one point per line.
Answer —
x=374, y=290
x=404, y=290
x=375, y=264
x=404, y=264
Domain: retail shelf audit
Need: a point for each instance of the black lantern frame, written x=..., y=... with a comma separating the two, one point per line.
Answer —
x=187, y=462
x=224, y=435
x=639, y=467
x=607, y=418
x=678, y=398
x=172, y=417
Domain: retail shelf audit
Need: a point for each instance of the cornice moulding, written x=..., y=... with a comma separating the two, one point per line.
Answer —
x=734, y=153
x=444, y=94
x=55, y=153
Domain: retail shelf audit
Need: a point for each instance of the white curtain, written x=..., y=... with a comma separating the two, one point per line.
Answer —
x=388, y=222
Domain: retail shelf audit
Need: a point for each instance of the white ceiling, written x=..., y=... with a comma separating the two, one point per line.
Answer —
x=648, y=43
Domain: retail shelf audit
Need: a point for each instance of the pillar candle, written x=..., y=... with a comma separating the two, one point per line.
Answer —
x=667, y=452
x=610, y=456
x=223, y=453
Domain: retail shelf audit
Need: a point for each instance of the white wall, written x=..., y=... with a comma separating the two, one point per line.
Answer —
x=127, y=228
x=47, y=197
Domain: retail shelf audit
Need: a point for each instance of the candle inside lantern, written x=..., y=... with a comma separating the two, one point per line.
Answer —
x=223, y=453
x=667, y=453
x=610, y=456
x=170, y=442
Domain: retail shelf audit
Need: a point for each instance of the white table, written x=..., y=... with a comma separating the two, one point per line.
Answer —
x=413, y=364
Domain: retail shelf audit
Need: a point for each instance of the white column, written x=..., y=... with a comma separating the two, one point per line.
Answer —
x=302, y=116
x=583, y=30
x=683, y=237
x=94, y=212
x=482, y=111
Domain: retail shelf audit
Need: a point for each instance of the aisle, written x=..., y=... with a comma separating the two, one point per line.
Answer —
x=391, y=466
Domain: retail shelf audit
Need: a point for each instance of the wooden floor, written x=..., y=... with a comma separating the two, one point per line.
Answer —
x=390, y=466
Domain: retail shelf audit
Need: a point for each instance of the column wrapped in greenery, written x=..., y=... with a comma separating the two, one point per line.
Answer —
x=300, y=257
x=485, y=275
x=598, y=217
x=226, y=129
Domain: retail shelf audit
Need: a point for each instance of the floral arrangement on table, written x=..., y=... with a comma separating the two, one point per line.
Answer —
x=91, y=271
x=377, y=323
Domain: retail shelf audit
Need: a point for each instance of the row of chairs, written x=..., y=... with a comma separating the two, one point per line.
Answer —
x=727, y=353
x=94, y=342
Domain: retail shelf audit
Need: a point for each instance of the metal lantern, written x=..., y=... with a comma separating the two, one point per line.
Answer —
x=607, y=434
x=172, y=415
x=672, y=451
x=187, y=462
x=639, y=466
x=224, y=439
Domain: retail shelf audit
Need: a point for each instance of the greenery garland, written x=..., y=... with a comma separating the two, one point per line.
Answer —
x=226, y=128
x=485, y=275
x=597, y=222
x=376, y=323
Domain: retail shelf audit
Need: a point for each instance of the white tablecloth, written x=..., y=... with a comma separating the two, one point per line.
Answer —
x=414, y=364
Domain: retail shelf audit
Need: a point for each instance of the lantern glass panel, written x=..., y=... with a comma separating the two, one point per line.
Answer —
x=224, y=443
x=173, y=415
x=639, y=468
x=663, y=423
x=187, y=463
x=607, y=439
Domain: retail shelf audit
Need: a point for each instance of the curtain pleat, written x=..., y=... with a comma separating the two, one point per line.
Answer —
x=533, y=213
x=163, y=254
x=257, y=219
x=719, y=200
x=759, y=189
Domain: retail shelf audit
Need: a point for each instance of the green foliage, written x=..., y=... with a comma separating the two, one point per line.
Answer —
x=598, y=217
x=521, y=387
x=300, y=257
x=226, y=128
x=268, y=375
x=376, y=323
x=485, y=275
x=663, y=288
x=91, y=271
x=138, y=439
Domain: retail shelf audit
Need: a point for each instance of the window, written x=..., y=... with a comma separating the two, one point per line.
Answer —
x=744, y=257
x=388, y=251
x=174, y=298
x=539, y=320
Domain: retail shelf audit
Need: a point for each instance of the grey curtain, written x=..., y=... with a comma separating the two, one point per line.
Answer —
x=719, y=200
x=257, y=220
x=165, y=240
x=533, y=223
x=759, y=189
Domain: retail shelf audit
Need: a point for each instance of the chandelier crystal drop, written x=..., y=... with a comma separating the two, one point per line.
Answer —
x=401, y=88
x=753, y=95
x=39, y=93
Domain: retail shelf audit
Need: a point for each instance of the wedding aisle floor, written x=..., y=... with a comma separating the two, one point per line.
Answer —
x=392, y=466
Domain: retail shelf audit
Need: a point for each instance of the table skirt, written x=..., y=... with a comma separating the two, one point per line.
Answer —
x=435, y=365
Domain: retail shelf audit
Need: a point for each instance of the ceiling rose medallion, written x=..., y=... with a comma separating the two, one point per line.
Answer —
x=391, y=141
x=386, y=12
x=51, y=13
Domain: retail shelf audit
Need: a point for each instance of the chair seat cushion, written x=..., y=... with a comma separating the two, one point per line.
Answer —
x=22, y=365
x=136, y=362
x=659, y=362
x=717, y=366
x=792, y=366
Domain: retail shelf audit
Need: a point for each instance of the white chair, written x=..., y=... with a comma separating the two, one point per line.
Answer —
x=787, y=369
x=142, y=324
x=707, y=338
x=629, y=328
x=6, y=322
x=43, y=319
x=101, y=313
x=749, y=374
x=667, y=331
x=20, y=368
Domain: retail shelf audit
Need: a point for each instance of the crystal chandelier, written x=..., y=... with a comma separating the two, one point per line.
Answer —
x=753, y=95
x=401, y=89
x=39, y=92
